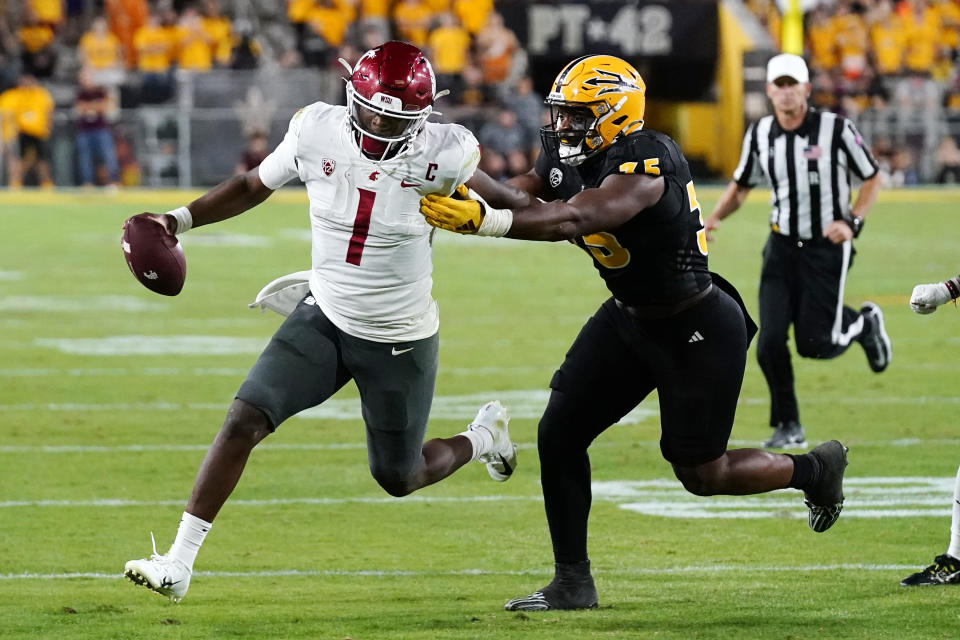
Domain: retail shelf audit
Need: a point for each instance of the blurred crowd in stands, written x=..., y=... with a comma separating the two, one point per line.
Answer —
x=91, y=57
x=891, y=66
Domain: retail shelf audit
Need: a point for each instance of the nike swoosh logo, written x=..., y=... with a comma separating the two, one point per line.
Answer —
x=404, y=183
x=397, y=352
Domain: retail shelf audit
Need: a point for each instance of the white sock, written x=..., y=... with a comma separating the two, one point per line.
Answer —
x=190, y=536
x=954, y=548
x=481, y=439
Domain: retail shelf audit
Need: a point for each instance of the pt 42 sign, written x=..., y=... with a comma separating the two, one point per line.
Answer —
x=571, y=29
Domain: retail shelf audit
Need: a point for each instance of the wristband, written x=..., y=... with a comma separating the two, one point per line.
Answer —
x=496, y=222
x=184, y=219
x=856, y=225
x=953, y=286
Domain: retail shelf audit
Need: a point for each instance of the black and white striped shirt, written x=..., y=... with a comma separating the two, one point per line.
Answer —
x=808, y=170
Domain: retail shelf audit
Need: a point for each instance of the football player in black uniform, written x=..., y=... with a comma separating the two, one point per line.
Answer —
x=625, y=196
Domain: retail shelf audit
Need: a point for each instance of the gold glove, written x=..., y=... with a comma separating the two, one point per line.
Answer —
x=458, y=213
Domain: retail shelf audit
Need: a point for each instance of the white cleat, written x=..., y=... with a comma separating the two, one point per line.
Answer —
x=163, y=575
x=501, y=460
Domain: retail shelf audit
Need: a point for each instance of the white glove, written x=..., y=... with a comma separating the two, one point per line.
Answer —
x=927, y=297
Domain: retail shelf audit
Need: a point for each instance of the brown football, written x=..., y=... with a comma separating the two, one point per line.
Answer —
x=154, y=256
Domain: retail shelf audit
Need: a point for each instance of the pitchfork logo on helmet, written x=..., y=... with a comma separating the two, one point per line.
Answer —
x=594, y=101
x=390, y=94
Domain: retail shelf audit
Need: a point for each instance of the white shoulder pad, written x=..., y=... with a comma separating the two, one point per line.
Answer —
x=457, y=152
x=284, y=293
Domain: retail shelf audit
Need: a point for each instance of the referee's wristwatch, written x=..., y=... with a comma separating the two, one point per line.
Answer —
x=856, y=225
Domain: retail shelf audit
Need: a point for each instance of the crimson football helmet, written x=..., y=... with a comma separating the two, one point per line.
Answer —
x=390, y=94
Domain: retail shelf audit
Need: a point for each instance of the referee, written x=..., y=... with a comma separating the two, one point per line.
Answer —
x=806, y=156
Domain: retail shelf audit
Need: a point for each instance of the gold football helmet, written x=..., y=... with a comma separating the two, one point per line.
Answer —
x=600, y=99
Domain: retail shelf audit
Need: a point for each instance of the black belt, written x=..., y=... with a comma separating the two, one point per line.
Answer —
x=664, y=310
x=800, y=243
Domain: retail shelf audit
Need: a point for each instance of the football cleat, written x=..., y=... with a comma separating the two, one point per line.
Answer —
x=825, y=498
x=571, y=588
x=874, y=338
x=944, y=570
x=787, y=435
x=501, y=460
x=161, y=574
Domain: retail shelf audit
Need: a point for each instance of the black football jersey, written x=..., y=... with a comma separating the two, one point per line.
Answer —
x=658, y=257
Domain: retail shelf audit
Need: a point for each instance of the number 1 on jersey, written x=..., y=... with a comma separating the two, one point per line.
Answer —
x=361, y=226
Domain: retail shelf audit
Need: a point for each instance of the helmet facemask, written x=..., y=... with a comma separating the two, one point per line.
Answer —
x=595, y=101
x=383, y=128
x=574, y=127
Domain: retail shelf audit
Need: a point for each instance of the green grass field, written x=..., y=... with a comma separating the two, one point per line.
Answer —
x=109, y=395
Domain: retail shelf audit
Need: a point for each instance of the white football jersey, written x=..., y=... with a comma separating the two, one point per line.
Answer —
x=371, y=257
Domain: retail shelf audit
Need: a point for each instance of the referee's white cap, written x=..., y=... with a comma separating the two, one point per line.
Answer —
x=787, y=64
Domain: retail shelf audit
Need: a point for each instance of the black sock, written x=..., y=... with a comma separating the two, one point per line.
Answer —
x=806, y=470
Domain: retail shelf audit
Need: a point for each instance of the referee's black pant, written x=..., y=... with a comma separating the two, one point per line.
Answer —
x=802, y=283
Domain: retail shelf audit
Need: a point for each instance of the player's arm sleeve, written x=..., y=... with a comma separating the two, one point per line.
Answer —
x=281, y=166
x=749, y=172
x=860, y=159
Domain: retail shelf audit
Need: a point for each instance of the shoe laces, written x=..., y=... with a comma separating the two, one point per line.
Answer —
x=943, y=562
x=154, y=555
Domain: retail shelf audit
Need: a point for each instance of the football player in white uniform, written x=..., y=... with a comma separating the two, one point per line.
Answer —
x=369, y=314
x=946, y=566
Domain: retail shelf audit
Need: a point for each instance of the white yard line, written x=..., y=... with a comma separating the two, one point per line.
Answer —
x=379, y=573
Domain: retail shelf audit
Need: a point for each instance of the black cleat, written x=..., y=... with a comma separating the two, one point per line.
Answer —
x=825, y=497
x=874, y=338
x=571, y=588
x=944, y=570
x=787, y=435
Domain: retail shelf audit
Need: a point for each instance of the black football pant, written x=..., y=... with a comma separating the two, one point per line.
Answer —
x=802, y=284
x=694, y=359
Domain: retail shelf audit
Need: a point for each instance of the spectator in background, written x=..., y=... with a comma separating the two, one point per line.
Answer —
x=246, y=50
x=412, y=19
x=218, y=28
x=472, y=14
x=194, y=44
x=504, y=144
x=449, y=48
x=820, y=40
x=473, y=98
x=948, y=161
x=124, y=18
x=297, y=11
x=48, y=12
x=257, y=149
x=155, y=50
x=375, y=16
x=30, y=106
x=94, y=141
x=100, y=50
x=8, y=55
x=949, y=13
x=38, y=57
x=918, y=95
x=8, y=127
x=327, y=24
x=888, y=40
x=496, y=45
x=851, y=37
x=528, y=107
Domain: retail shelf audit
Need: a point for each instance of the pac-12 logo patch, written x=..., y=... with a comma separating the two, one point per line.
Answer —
x=556, y=177
x=328, y=165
